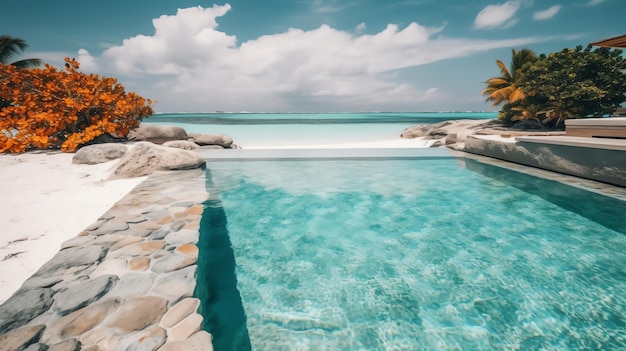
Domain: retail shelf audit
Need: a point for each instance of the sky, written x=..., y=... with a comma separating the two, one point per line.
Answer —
x=301, y=55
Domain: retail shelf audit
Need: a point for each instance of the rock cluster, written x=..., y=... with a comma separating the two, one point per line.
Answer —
x=447, y=132
x=177, y=137
x=454, y=133
x=156, y=148
x=124, y=283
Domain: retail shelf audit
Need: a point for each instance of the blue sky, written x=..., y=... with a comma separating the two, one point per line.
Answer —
x=305, y=56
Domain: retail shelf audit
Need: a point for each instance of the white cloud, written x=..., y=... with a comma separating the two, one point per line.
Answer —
x=180, y=42
x=190, y=65
x=547, y=14
x=497, y=16
x=87, y=62
x=360, y=28
x=53, y=58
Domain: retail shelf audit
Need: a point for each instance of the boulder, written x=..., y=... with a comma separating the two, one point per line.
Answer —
x=211, y=147
x=99, y=153
x=212, y=139
x=157, y=134
x=451, y=139
x=181, y=144
x=145, y=158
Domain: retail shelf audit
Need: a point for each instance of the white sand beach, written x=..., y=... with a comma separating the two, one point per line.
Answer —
x=47, y=200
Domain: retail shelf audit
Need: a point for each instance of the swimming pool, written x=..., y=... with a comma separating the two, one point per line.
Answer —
x=408, y=254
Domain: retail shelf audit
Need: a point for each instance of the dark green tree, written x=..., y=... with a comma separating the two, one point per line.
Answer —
x=11, y=47
x=572, y=83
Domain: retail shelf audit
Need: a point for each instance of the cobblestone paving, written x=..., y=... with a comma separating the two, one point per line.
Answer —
x=125, y=283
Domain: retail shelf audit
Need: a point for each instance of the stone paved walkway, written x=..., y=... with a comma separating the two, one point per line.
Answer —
x=125, y=283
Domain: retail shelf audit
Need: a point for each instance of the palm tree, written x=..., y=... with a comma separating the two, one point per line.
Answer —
x=562, y=109
x=10, y=47
x=504, y=88
x=529, y=111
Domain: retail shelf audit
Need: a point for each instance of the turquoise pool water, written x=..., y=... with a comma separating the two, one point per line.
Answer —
x=411, y=254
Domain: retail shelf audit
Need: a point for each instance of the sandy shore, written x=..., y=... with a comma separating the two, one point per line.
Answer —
x=46, y=200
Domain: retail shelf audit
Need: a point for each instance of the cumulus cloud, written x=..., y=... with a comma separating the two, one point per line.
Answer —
x=547, y=14
x=497, y=16
x=87, y=62
x=180, y=42
x=188, y=64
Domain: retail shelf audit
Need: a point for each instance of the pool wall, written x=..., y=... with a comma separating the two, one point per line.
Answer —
x=591, y=160
x=125, y=282
x=220, y=300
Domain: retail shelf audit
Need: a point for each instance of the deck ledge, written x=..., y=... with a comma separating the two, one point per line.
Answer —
x=588, y=142
x=605, y=121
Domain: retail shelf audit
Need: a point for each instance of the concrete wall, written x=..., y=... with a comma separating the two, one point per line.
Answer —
x=608, y=166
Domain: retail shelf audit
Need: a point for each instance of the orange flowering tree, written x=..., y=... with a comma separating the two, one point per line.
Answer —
x=62, y=109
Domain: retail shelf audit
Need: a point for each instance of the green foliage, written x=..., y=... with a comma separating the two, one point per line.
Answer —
x=572, y=83
x=505, y=88
x=11, y=47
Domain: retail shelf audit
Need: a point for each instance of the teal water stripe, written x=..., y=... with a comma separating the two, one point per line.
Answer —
x=216, y=287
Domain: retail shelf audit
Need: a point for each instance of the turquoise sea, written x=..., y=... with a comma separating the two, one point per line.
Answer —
x=287, y=129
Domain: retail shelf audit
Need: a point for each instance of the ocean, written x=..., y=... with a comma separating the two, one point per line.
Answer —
x=298, y=129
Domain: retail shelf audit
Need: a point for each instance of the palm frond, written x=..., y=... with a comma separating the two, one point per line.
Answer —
x=516, y=94
x=505, y=71
x=11, y=47
x=27, y=63
x=497, y=81
x=521, y=57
